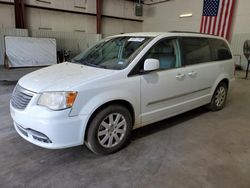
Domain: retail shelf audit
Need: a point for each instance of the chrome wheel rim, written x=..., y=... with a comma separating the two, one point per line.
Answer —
x=220, y=96
x=112, y=129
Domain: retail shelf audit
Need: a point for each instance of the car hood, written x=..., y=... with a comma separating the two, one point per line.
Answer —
x=61, y=77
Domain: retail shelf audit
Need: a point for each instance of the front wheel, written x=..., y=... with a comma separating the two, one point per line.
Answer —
x=110, y=130
x=219, y=98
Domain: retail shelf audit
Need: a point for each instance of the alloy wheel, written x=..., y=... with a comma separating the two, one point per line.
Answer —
x=220, y=96
x=111, y=130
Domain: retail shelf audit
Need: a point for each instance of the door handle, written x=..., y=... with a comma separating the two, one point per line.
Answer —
x=192, y=73
x=180, y=76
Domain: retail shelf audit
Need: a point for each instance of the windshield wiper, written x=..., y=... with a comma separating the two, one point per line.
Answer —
x=94, y=65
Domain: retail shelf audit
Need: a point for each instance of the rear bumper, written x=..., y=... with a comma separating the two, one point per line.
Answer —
x=52, y=130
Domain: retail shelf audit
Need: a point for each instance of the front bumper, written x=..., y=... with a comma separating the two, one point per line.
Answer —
x=49, y=129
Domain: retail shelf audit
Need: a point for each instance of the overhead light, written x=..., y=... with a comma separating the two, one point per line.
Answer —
x=186, y=15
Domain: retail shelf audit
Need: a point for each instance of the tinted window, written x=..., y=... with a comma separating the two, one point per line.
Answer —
x=196, y=50
x=220, y=50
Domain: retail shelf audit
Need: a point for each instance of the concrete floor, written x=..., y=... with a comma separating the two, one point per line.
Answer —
x=196, y=149
x=14, y=74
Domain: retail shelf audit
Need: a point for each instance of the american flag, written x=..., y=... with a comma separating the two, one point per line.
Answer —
x=217, y=17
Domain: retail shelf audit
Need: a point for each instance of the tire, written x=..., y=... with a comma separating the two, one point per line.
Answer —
x=219, y=98
x=110, y=130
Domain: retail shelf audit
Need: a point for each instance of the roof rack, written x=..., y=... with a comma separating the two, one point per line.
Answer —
x=190, y=32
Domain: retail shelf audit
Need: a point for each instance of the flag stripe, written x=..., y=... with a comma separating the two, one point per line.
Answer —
x=209, y=24
x=220, y=19
x=202, y=23
x=230, y=18
x=205, y=25
x=214, y=26
x=225, y=19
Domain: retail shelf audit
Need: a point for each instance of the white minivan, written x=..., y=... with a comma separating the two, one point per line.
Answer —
x=121, y=83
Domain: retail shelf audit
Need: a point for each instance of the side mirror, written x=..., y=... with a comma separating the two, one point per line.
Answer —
x=151, y=65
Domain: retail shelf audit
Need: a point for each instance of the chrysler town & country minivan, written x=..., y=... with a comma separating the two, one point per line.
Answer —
x=121, y=83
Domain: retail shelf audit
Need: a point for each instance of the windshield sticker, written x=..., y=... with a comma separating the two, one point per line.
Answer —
x=136, y=39
x=120, y=63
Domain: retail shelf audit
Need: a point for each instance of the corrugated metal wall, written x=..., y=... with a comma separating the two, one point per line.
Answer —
x=237, y=47
x=9, y=32
x=73, y=41
x=77, y=41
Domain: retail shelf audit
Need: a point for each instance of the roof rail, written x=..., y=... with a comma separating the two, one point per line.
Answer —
x=190, y=32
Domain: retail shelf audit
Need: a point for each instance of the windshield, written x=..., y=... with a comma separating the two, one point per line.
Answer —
x=115, y=53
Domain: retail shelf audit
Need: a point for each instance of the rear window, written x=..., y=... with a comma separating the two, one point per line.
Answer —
x=219, y=50
x=196, y=50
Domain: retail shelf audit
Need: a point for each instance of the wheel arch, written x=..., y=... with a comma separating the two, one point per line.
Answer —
x=226, y=81
x=211, y=106
x=221, y=78
x=121, y=102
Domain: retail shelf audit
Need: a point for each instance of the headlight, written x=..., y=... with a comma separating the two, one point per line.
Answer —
x=57, y=100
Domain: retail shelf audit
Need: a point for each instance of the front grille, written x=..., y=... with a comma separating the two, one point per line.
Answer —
x=21, y=97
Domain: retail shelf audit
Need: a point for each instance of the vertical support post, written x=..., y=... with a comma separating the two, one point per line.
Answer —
x=98, y=16
x=20, y=18
x=248, y=62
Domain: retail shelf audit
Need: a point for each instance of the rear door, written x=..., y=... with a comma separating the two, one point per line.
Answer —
x=205, y=60
x=200, y=70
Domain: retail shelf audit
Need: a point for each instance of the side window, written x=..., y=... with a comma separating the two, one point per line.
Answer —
x=196, y=50
x=220, y=50
x=167, y=53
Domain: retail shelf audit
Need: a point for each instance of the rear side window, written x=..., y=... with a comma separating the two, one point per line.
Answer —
x=196, y=50
x=219, y=50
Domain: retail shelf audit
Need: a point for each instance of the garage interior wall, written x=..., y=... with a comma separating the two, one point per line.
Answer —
x=241, y=31
x=71, y=22
x=41, y=19
x=7, y=17
x=159, y=17
x=164, y=17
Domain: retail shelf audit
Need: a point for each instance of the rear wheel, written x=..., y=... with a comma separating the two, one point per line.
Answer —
x=219, y=98
x=110, y=130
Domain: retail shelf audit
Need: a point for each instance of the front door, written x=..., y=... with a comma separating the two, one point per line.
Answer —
x=163, y=92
